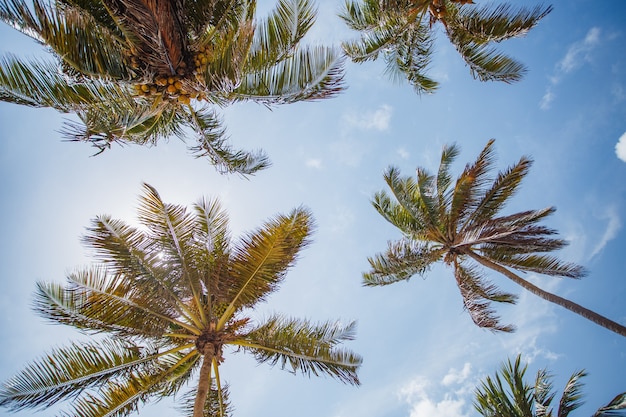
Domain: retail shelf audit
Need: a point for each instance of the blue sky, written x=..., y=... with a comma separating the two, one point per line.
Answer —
x=422, y=354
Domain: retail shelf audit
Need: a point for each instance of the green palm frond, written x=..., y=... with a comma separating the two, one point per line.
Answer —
x=541, y=264
x=497, y=23
x=381, y=39
x=402, y=260
x=311, y=73
x=486, y=63
x=494, y=398
x=119, y=398
x=212, y=143
x=406, y=191
x=477, y=295
x=65, y=372
x=410, y=57
x=396, y=214
x=304, y=347
x=261, y=259
x=97, y=302
x=278, y=36
x=572, y=394
x=39, y=83
x=171, y=229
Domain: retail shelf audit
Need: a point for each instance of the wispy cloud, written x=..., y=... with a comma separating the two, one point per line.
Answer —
x=613, y=226
x=620, y=147
x=577, y=54
x=371, y=120
x=403, y=153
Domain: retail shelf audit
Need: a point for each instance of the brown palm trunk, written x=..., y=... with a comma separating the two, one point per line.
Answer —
x=204, y=384
x=563, y=302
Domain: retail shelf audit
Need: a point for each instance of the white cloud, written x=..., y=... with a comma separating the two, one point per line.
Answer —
x=620, y=147
x=314, y=163
x=577, y=53
x=546, y=100
x=455, y=376
x=417, y=394
x=580, y=51
x=612, y=227
x=371, y=120
x=403, y=153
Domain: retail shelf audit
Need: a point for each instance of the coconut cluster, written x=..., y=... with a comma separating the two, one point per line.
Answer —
x=179, y=87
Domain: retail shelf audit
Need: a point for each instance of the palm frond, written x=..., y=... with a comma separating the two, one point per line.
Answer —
x=396, y=214
x=477, y=295
x=311, y=73
x=572, y=394
x=126, y=251
x=543, y=394
x=486, y=63
x=614, y=408
x=66, y=372
x=382, y=38
x=97, y=302
x=261, y=259
x=277, y=36
x=171, y=228
x=503, y=21
x=402, y=260
x=407, y=193
x=410, y=57
x=212, y=143
x=493, y=398
x=541, y=264
x=121, y=397
x=212, y=406
x=304, y=347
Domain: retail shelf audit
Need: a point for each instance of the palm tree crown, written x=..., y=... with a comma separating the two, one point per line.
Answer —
x=508, y=394
x=402, y=30
x=169, y=298
x=137, y=71
x=461, y=221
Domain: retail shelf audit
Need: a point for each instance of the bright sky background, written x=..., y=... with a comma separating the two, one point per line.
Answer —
x=422, y=354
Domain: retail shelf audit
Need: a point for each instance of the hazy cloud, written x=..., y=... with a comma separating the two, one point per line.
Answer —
x=620, y=147
x=403, y=153
x=371, y=120
x=613, y=226
x=578, y=53
x=314, y=163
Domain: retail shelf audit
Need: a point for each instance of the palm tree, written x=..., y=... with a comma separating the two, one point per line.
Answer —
x=138, y=71
x=169, y=299
x=402, y=31
x=461, y=222
x=519, y=399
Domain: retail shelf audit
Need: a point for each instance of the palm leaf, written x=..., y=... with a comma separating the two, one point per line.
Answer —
x=614, y=408
x=304, y=347
x=503, y=21
x=262, y=258
x=543, y=394
x=66, y=372
x=212, y=143
x=572, y=394
x=312, y=73
x=477, y=295
x=278, y=36
x=402, y=260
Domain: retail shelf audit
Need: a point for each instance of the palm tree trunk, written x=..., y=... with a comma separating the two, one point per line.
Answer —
x=563, y=302
x=204, y=384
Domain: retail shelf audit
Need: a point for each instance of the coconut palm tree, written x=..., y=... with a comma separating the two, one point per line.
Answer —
x=170, y=298
x=508, y=394
x=138, y=71
x=461, y=222
x=403, y=32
